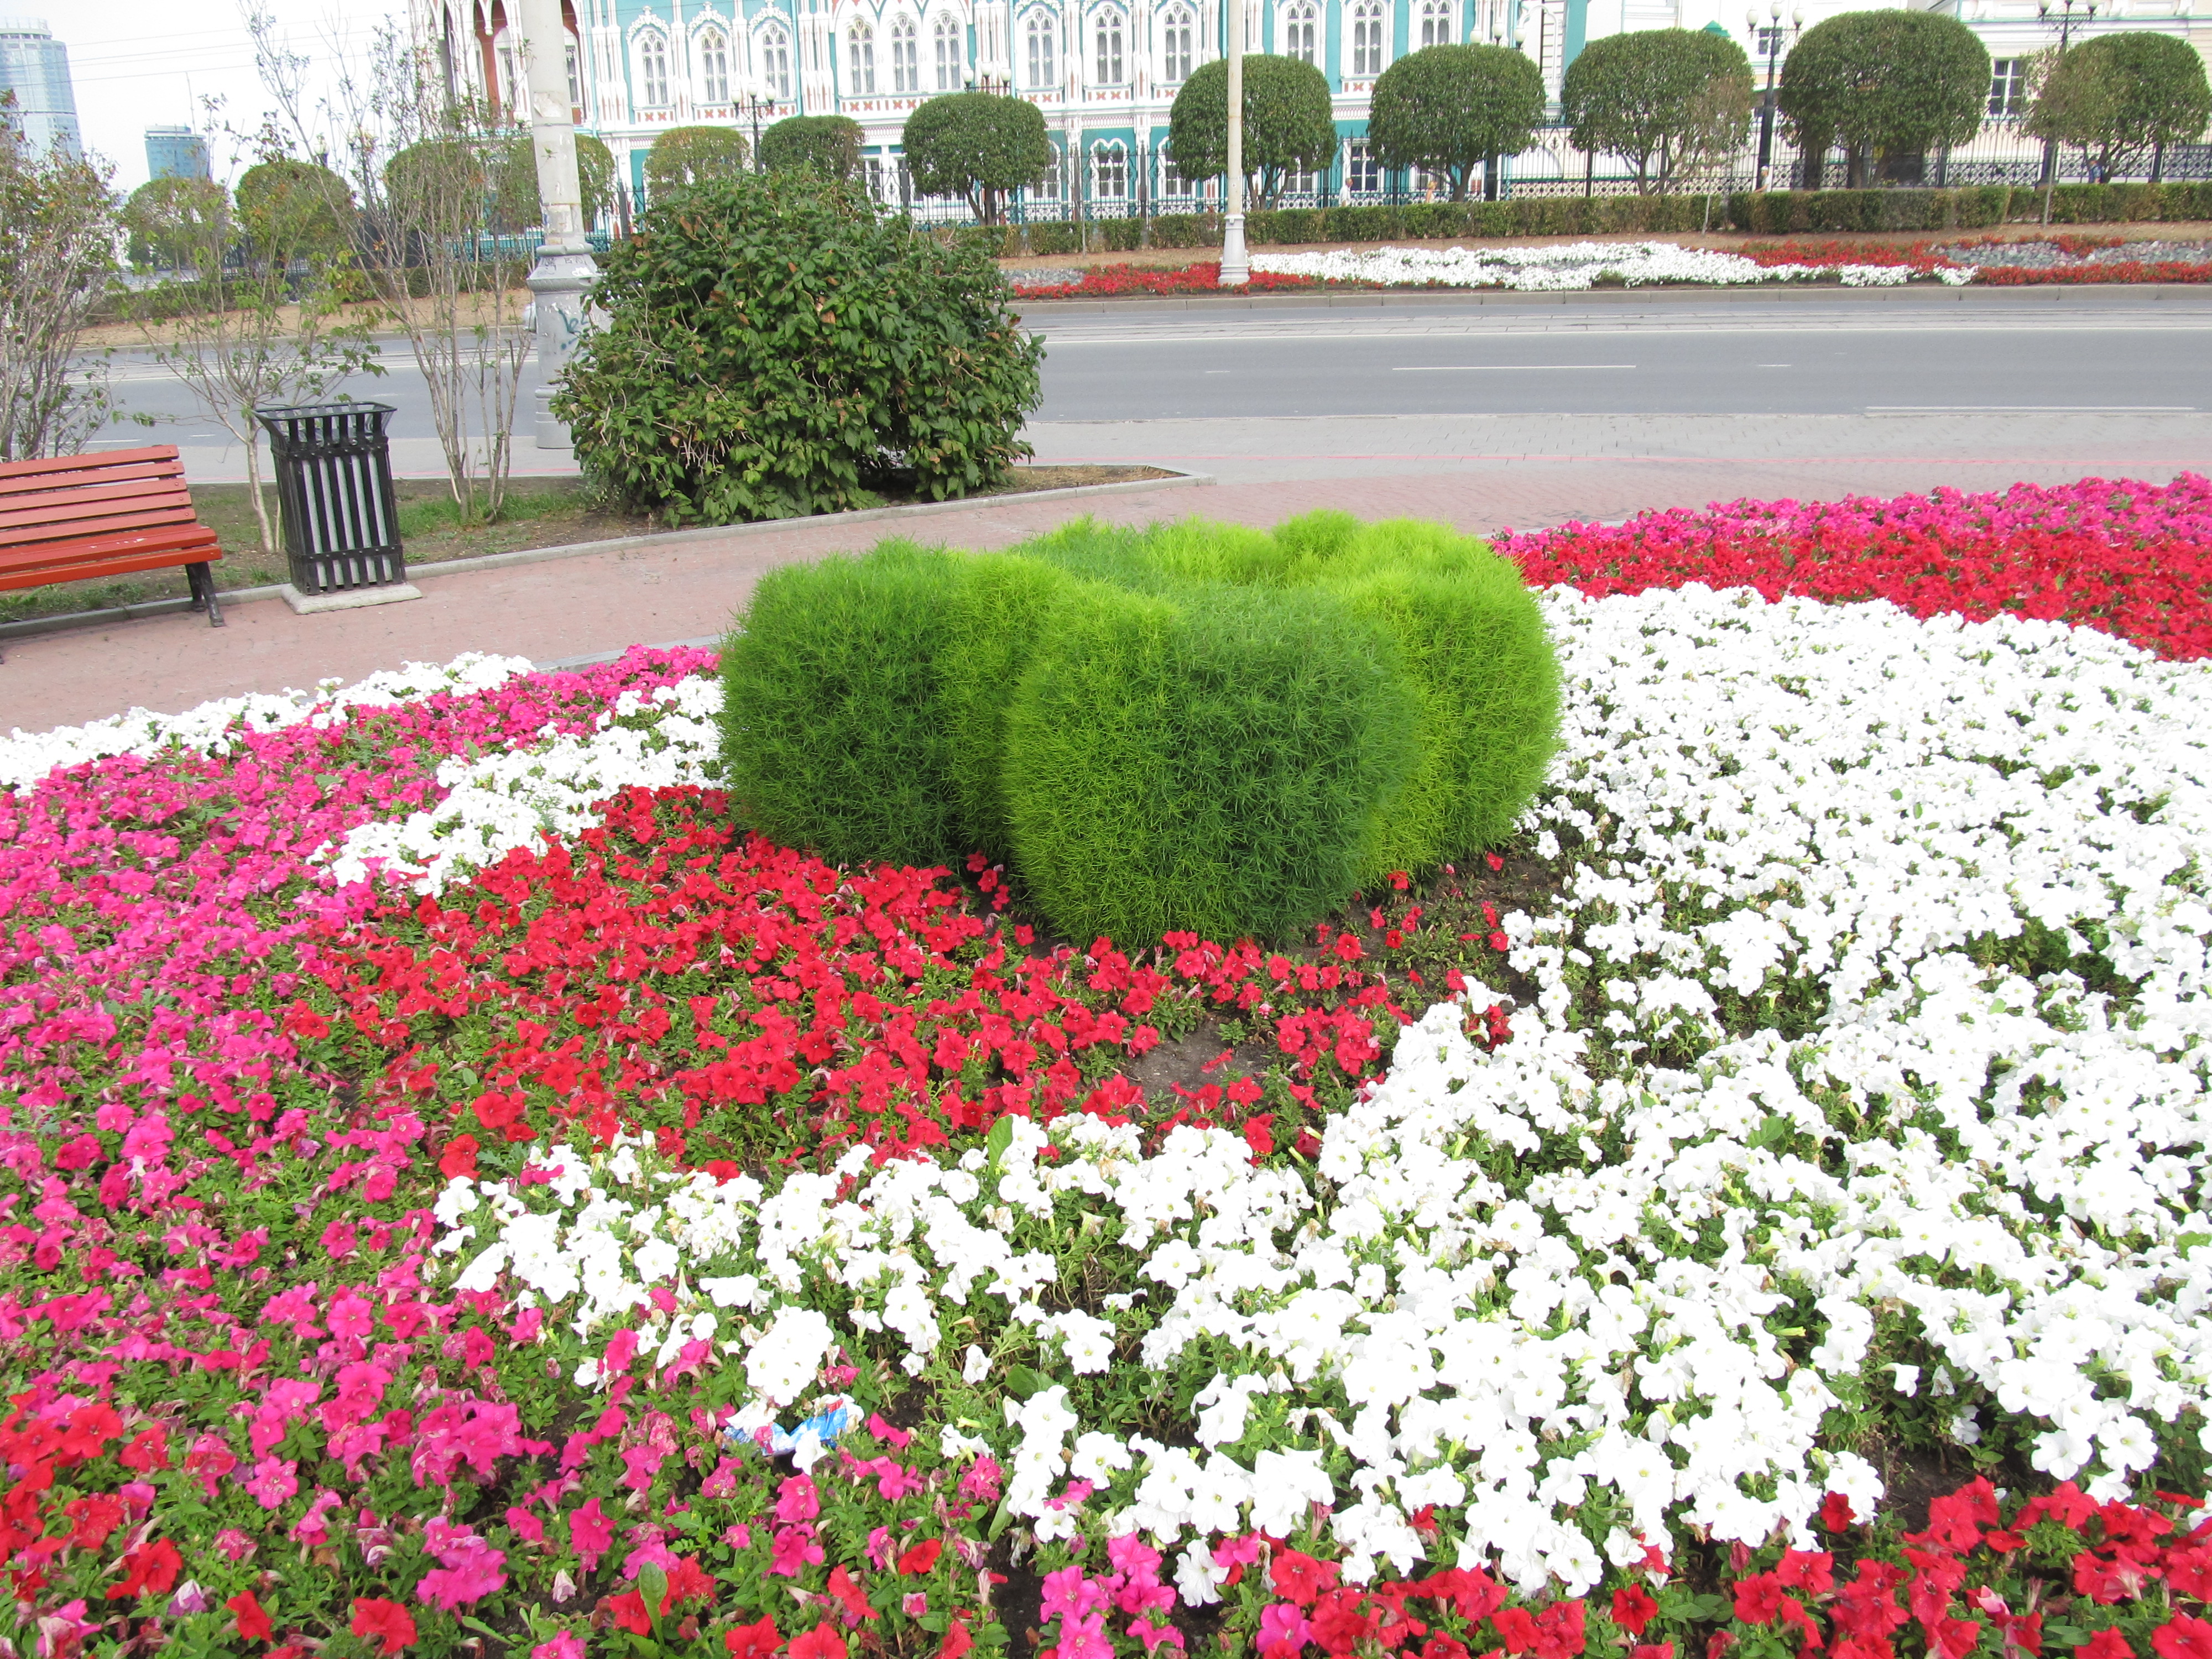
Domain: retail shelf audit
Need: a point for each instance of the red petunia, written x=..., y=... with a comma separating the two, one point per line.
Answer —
x=759, y=1641
x=1633, y=1608
x=253, y=1622
x=382, y=1621
x=922, y=1558
x=149, y=1570
x=2183, y=1637
x=820, y=1643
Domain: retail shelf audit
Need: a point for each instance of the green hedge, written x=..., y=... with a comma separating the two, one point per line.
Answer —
x=1193, y=727
x=1768, y=212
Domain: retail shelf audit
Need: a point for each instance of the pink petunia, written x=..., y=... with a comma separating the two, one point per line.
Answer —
x=272, y=1482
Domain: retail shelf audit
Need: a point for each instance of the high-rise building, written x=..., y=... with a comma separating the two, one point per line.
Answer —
x=177, y=153
x=34, y=67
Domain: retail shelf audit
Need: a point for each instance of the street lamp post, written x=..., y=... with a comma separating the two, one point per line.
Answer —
x=754, y=106
x=1235, y=262
x=564, y=268
x=2065, y=9
x=1774, y=56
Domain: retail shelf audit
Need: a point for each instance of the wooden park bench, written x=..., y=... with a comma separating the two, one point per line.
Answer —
x=78, y=518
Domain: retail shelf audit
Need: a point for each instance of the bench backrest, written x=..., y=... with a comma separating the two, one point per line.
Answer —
x=75, y=496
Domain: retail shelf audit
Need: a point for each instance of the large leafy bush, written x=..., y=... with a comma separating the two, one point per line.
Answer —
x=1193, y=727
x=775, y=345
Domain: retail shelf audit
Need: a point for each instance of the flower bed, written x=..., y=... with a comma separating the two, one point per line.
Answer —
x=1634, y=264
x=637, y=1239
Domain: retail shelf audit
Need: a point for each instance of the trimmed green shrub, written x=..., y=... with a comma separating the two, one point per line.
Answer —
x=828, y=144
x=776, y=345
x=833, y=736
x=1191, y=725
x=1215, y=765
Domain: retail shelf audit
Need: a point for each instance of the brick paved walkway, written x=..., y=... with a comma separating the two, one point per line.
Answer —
x=575, y=607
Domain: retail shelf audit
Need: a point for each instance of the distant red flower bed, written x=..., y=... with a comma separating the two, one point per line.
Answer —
x=2134, y=559
x=1204, y=278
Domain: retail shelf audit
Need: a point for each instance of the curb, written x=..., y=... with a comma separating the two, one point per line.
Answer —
x=74, y=622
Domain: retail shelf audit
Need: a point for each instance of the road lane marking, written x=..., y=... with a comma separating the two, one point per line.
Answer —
x=1514, y=369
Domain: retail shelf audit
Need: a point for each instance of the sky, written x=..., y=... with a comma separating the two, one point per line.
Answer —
x=138, y=63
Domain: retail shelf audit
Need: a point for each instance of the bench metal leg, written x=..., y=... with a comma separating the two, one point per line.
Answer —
x=201, y=580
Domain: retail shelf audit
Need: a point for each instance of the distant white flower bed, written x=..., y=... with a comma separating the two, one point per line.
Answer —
x=1577, y=265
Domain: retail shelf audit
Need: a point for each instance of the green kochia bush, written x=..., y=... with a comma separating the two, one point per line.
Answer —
x=1214, y=761
x=1193, y=727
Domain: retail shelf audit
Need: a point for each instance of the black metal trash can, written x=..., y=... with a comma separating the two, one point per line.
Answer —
x=334, y=485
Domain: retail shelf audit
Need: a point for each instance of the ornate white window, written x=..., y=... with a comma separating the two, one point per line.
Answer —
x=1106, y=33
x=1367, y=38
x=1049, y=189
x=776, y=61
x=1435, y=22
x=906, y=56
x=1172, y=183
x=1363, y=173
x=860, y=60
x=651, y=69
x=713, y=67
x=1252, y=28
x=1301, y=31
x=1109, y=172
x=575, y=80
x=1177, y=31
x=951, y=54
x=1041, y=32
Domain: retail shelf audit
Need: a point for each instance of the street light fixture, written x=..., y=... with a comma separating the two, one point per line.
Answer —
x=756, y=103
x=1235, y=262
x=1774, y=56
x=997, y=86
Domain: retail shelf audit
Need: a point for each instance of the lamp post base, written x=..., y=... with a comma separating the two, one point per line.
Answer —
x=564, y=271
x=1235, y=262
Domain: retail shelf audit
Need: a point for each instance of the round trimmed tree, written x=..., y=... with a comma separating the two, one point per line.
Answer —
x=515, y=193
x=1288, y=124
x=170, y=221
x=2120, y=99
x=1890, y=84
x=1453, y=110
x=829, y=144
x=291, y=209
x=1661, y=100
x=692, y=156
x=979, y=145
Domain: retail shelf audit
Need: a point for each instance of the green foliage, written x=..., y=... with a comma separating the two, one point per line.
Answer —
x=830, y=144
x=2120, y=97
x=168, y=218
x=1659, y=98
x=775, y=345
x=1214, y=763
x=1451, y=109
x=1288, y=124
x=440, y=187
x=57, y=224
x=291, y=210
x=1194, y=726
x=515, y=205
x=693, y=155
x=979, y=145
x=833, y=733
x=1884, y=82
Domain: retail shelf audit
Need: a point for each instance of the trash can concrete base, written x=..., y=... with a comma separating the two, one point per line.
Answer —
x=352, y=598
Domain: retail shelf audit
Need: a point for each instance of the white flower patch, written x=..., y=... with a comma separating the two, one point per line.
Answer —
x=514, y=798
x=1866, y=1069
x=1573, y=266
x=213, y=727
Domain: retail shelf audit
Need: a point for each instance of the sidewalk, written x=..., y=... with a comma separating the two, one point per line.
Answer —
x=580, y=606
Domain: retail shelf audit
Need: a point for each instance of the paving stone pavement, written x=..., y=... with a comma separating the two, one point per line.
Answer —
x=1478, y=473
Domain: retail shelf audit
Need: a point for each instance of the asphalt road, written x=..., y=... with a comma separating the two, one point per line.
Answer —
x=1653, y=353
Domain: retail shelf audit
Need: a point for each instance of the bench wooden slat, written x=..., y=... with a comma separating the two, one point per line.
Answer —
x=21, y=502
x=90, y=520
x=116, y=564
x=160, y=460
x=181, y=536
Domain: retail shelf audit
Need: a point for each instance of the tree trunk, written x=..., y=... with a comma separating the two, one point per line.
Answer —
x=2158, y=162
x=269, y=540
